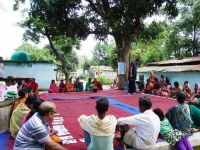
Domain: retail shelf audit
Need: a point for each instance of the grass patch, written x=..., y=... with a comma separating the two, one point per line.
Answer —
x=197, y=148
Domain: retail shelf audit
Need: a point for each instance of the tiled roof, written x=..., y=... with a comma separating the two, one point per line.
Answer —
x=176, y=61
x=179, y=68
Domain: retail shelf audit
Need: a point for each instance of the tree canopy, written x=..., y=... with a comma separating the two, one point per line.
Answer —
x=124, y=20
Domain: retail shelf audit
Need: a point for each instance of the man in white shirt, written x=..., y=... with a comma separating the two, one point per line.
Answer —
x=146, y=126
x=1, y=68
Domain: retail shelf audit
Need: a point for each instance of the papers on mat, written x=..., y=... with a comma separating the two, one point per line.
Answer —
x=63, y=133
x=70, y=141
x=58, y=120
x=82, y=140
x=61, y=130
x=66, y=137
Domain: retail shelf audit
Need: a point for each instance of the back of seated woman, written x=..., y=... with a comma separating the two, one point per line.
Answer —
x=22, y=96
x=18, y=114
x=36, y=105
x=179, y=115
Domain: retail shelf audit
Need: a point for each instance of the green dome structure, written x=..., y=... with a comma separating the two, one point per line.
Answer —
x=20, y=55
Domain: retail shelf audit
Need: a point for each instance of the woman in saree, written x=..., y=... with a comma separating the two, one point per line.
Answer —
x=163, y=80
x=195, y=96
x=97, y=84
x=36, y=105
x=70, y=86
x=149, y=87
x=179, y=115
x=18, y=114
x=53, y=87
x=165, y=90
x=186, y=89
x=174, y=137
x=62, y=86
x=88, y=85
x=194, y=107
x=22, y=96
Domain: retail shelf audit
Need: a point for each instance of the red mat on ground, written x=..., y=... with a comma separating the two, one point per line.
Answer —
x=84, y=95
x=157, y=101
x=71, y=110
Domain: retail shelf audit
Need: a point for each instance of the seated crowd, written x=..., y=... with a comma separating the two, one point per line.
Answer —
x=76, y=86
x=162, y=87
x=30, y=117
x=29, y=125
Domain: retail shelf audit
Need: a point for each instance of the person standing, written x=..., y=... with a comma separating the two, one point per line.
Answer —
x=1, y=68
x=132, y=76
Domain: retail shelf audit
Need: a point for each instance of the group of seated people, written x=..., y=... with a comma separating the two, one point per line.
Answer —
x=76, y=86
x=175, y=126
x=29, y=122
x=163, y=87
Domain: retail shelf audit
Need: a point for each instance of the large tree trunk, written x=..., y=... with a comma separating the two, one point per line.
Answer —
x=123, y=56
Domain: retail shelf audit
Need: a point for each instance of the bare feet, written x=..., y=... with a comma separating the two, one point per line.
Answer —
x=195, y=129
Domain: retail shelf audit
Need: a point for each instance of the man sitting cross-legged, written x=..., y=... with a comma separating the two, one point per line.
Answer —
x=98, y=130
x=146, y=130
x=34, y=134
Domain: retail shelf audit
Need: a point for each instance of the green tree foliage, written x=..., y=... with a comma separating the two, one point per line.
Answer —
x=113, y=57
x=105, y=54
x=153, y=49
x=184, y=39
x=121, y=19
x=50, y=19
x=100, y=53
x=35, y=53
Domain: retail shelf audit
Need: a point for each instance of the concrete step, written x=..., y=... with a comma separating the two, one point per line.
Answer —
x=194, y=140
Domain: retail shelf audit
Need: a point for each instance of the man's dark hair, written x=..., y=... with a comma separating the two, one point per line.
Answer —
x=102, y=105
x=145, y=101
x=19, y=83
x=36, y=105
x=42, y=111
x=160, y=113
x=22, y=93
x=30, y=100
x=156, y=79
x=28, y=88
x=180, y=97
x=176, y=84
x=137, y=60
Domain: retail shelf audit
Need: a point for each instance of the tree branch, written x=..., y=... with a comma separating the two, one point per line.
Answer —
x=95, y=9
x=53, y=48
x=106, y=6
x=99, y=32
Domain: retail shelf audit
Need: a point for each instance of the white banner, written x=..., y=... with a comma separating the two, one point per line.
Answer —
x=121, y=67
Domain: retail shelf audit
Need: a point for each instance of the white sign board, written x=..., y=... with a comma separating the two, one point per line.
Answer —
x=121, y=68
